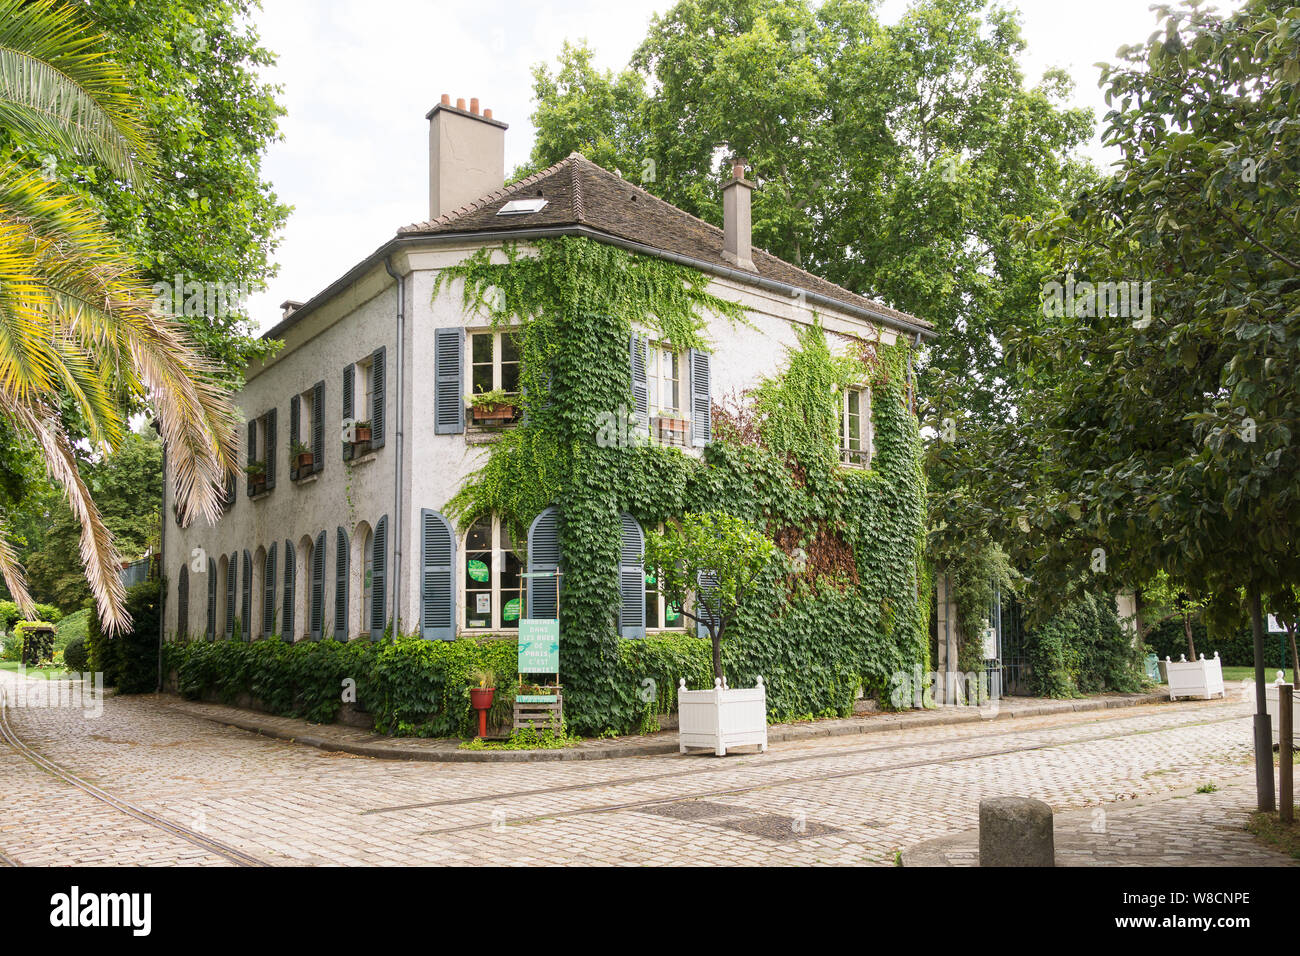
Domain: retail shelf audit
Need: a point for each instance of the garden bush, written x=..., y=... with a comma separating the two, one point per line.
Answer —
x=1082, y=650
x=74, y=655
x=129, y=661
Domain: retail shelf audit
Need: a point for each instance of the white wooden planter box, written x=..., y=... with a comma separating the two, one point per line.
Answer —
x=1199, y=678
x=722, y=717
x=1270, y=701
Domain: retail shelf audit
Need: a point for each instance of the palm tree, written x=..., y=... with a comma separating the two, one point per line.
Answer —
x=80, y=342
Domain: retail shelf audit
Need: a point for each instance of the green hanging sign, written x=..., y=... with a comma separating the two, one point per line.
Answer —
x=511, y=611
x=477, y=570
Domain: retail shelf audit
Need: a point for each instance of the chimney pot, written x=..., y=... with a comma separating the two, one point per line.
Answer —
x=738, y=171
x=460, y=102
x=487, y=114
x=473, y=105
x=446, y=100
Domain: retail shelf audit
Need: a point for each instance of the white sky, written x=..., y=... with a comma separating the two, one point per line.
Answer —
x=358, y=78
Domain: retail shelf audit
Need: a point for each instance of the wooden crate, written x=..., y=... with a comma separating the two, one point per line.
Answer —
x=540, y=715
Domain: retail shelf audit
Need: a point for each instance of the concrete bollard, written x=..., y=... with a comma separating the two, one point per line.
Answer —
x=1016, y=831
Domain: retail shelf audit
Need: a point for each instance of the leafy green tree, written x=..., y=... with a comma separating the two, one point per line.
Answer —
x=1162, y=438
x=706, y=564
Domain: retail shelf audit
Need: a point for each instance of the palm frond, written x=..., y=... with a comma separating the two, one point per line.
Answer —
x=12, y=573
x=59, y=88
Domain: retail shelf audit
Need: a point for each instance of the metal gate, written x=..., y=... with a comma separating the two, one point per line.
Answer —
x=1011, y=643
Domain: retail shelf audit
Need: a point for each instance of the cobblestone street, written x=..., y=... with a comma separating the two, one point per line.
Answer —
x=849, y=800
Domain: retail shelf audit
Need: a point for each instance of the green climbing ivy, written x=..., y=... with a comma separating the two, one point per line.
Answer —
x=845, y=604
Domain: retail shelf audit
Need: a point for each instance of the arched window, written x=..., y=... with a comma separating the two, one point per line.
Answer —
x=379, y=579
x=340, y=585
x=289, y=596
x=268, y=593
x=212, y=600
x=318, y=587
x=493, y=576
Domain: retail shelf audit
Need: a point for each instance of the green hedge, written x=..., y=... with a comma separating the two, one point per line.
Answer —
x=412, y=687
x=1082, y=650
x=11, y=615
x=1168, y=639
x=129, y=661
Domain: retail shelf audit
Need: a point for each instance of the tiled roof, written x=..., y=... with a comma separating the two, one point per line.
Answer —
x=580, y=193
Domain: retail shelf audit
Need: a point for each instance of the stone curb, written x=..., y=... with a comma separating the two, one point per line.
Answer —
x=380, y=747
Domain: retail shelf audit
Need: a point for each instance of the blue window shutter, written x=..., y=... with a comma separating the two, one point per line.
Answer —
x=295, y=427
x=437, y=577
x=341, y=585
x=378, y=405
x=379, y=579
x=232, y=570
x=318, y=426
x=631, y=580
x=290, y=575
x=183, y=602
x=701, y=398
x=269, y=458
x=317, y=587
x=544, y=555
x=268, y=593
x=246, y=599
x=705, y=602
x=349, y=384
x=449, y=381
x=212, y=599
x=252, y=452
x=640, y=387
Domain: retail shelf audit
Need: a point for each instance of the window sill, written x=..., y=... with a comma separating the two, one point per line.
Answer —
x=485, y=434
x=306, y=479
x=258, y=496
x=360, y=457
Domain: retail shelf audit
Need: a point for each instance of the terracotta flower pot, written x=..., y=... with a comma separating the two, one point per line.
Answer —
x=305, y=459
x=363, y=433
x=496, y=412
x=480, y=698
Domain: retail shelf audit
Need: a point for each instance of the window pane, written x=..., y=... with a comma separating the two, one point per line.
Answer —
x=512, y=598
x=482, y=348
x=510, y=376
x=509, y=348
x=651, y=600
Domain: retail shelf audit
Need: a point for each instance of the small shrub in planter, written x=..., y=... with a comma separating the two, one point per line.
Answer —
x=74, y=656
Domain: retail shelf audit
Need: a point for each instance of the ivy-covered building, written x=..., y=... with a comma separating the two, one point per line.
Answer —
x=530, y=379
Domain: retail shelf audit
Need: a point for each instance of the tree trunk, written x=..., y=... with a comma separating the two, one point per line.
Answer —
x=716, y=637
x=1265, y=798
x=1187, y=629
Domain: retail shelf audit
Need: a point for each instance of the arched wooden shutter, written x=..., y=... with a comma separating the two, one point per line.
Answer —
x=212, y=599
x=183, y=602
x=317, y=587
x=349, y=385
x=640, y=386
x=448, y=381
x=318, y=426
x=378, y=409
x=705, y=602
x=232, y=571
x=295, y=428
x=544, y=555
x=379, y=579
x=246, y=599
x=631, y=580
x=290, y=579
x=269, y=457
x=701, y=398
x=437, y=577
x=340, y=585
x=268, y=593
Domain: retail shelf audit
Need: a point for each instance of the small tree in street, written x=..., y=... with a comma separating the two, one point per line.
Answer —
x=713, y=558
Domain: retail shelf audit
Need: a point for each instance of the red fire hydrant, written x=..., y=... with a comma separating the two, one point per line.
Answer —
x=480, y=698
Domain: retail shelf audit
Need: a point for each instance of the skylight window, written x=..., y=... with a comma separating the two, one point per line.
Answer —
x=522, y=207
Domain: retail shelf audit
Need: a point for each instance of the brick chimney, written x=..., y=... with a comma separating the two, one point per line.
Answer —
x=467, y=155
x=736, y=225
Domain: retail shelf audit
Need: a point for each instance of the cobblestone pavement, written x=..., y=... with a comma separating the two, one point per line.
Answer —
x=826, y=801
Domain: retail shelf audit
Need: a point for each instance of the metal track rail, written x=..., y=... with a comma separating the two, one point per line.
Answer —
x=206, y=843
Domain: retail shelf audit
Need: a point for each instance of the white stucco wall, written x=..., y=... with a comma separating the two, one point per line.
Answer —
x=348, y=328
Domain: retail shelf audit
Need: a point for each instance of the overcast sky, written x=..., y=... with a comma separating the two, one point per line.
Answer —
x=359, y=77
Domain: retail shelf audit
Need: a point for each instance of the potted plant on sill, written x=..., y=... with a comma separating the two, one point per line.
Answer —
x=362, y=432
x=672, y=428
x=302, y=456
x=714, y=558
x=256, y=472
x=497, y=407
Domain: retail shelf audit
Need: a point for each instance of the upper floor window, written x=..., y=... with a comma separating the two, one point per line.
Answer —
x=261, y=453
x=855, y=428
x=494, y=370
x=668, y=393
x=494, y=586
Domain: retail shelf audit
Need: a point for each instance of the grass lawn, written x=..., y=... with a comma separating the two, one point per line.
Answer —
x=47, y=673
x=1248, y=673
x=1269, y=829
